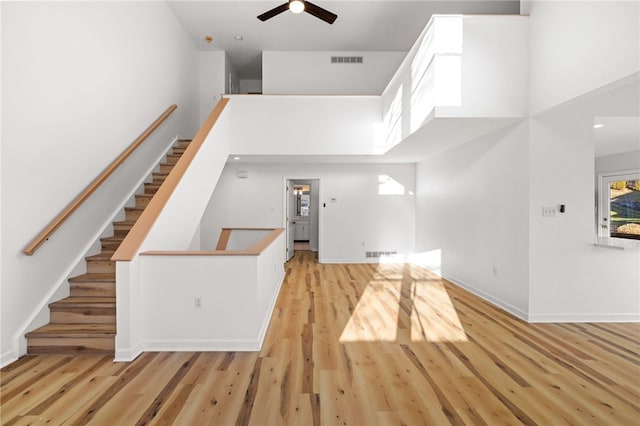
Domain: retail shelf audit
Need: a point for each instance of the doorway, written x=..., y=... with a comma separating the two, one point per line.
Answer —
x=302, y=215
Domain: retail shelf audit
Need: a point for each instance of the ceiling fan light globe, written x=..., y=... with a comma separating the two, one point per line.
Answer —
x=296, y=6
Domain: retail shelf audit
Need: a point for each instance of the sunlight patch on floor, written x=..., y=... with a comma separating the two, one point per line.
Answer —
x=375, y=317
x=404, y=302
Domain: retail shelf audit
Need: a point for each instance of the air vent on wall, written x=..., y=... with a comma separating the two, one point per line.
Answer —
x=346, y=59
x=375, y=254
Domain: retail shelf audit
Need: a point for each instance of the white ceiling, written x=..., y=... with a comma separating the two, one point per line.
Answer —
x=618, y=134
x=372, y=25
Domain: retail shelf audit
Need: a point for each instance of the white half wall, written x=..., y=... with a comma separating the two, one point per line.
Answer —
x=80, y=82
x=578, y=46
x=312, y=73
x=461, y=66
x=359, y=220
x=209, y=303
x=304, y=125
x=472, y=216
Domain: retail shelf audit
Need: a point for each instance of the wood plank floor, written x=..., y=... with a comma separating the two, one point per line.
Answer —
x=354, y=345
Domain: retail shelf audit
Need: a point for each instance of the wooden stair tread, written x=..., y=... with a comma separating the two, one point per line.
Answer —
x=114, y=239
x=74, y=330
x=85, y=301
x=96, y=277
x=100, y=256
x=125, y=222
x=134, y=209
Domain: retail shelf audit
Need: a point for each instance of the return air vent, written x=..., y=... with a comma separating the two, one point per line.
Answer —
x=376, y=254
x=346, y=59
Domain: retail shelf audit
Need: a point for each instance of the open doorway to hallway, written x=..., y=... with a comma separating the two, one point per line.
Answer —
x=302, y=215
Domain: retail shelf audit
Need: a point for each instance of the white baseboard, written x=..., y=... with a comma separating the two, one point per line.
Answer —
x=513, y=310
x=272, y=305
x=341, y=261
x=202, y=346
x=7, y=358
x=128, y=354
x=584, y=317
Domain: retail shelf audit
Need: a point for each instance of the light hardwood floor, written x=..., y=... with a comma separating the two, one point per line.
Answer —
x=354, y=345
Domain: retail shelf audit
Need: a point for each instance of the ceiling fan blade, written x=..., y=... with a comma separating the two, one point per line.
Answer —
x=273, y=12
x=320, y=13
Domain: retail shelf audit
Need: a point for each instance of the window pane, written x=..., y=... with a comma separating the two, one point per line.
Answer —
x=625, y=209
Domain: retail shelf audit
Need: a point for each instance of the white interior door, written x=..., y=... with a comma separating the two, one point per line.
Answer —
x=290, y=218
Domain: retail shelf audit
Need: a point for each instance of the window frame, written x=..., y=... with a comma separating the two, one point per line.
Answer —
x=604, y=202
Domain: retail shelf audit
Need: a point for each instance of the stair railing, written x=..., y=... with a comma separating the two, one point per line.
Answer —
x=93, y=186
x=136, y=236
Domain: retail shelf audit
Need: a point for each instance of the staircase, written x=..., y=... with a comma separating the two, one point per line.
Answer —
x=85, y=322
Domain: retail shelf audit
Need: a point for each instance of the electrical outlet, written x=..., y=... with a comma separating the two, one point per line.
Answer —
x=549, y=211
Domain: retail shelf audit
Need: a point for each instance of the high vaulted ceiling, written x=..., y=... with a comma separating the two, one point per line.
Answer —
x=372, y=25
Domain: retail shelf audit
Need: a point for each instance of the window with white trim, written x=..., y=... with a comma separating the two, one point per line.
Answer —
x=619, y=205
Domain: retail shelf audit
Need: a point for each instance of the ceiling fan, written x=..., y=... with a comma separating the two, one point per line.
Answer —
x=299, y=6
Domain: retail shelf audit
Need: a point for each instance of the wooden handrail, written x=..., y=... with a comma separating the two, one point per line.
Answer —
x=134, y=239
x=93, y=186
x=255, y=250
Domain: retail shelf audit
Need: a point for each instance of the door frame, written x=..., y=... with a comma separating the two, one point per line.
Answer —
x=285, y=207
x=603, y=216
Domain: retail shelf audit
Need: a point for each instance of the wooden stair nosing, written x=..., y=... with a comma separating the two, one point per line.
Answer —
x=133, y=209
x=112, y=239
x=84, y=302
x=94, y=277
x=74, y=330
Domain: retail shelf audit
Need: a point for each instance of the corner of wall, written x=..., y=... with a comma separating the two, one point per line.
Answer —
x=7, y=358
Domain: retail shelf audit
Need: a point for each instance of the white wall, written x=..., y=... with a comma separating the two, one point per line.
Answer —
x=554, y=272
x=494, y=68
x=230, y=76
x=212, y=80
x=312, y=73
x=581, y=55
x=243, y=239
x=472, y=211
x=80, y=82
x=360, y=220
x=304, y=125
x=579, y=46
x=250, y=86
x=618, y=162
x=570, y=279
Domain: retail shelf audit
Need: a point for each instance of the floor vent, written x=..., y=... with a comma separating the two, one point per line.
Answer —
x=346, y=59
x=376, y=254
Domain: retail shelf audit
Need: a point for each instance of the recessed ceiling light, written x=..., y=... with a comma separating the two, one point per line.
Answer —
x=598, y=126
x=238, y=38
x=236, y=158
